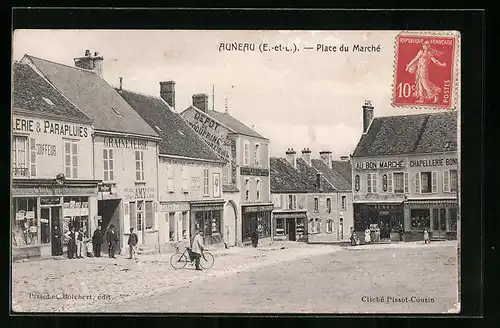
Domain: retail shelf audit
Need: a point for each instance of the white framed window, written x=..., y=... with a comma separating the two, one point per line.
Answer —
x=428, y=182
x=398, y=181
x=406, y=184
x=292, y=202
x=329, y=226
x=20, y=156
x=258, y=187
x=206, y=181
x=246, y=153
x=446, y=181
x=316, y=204
x=108, y=164
x=256, y=155
x=170, y=178
x=247, y=189
x=185, y=179
x=71, y=159
x=328, y=205
x=139, y=165
x=318, y=225
x=453, y=180
x=344, y=203
x=371, y=182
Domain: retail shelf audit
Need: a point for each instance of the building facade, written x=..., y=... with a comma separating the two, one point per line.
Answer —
x=406, y=175
x=53, y=186
x=246, y=183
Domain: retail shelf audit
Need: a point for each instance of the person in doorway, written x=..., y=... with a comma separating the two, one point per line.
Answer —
x=56, y=242
x=367, y=236
x=197, y=248
x=79, y=243
x=255, y=238
x=97, y=241
x=71, y=237
x=427, y=240
x=401, y=231
x=132, y=244
x=112, y=239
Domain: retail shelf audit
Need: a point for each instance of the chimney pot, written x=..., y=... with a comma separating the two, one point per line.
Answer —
x=121, y=83
x=89, y=62
x=326, y=156
x=290, y=157
x=167, y=92
x=87, y=53
x=200, y=101
x=96, y=54
x=367, y=115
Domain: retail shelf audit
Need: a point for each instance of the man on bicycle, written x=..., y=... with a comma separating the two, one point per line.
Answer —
x=197, y=248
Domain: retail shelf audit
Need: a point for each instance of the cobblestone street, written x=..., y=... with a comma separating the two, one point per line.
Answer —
x=298, y=278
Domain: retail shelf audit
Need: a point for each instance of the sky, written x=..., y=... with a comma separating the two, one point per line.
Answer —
x=307, y=99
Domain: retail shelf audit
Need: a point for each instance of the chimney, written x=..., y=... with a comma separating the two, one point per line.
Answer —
x=367, y=115
x=306, y=156
x=167, y=92
x=318, y=180
x=326, y=156
x=290, y=157
x=121, y=83
x=89, y=62
x=200, y=101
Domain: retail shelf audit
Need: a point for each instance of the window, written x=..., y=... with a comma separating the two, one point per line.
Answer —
x=206, y=181
x=170, y=178
x=344, y=203
x=246, y=154
x=428, y=181
x=257, y=191
x=280, y=223
x=71, y=159
x=24, y=222
x=256, y=155
x=311, y=225
x=139, y=165
x=453, y=180
x=150, y=218
x=406, y=182
x=329, y=226
x=185, y=179
x=318, y=225
x=108, y=161
x=171, y=226
x=329, y=205
x=399, y=182
x=247, y=189
x=140, y=214
x=20, y=156
x=316, y=204
x=292, y=202
x=371, y=182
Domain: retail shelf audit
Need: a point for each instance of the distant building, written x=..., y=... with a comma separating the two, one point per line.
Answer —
x=405, y=173
x=246, y=183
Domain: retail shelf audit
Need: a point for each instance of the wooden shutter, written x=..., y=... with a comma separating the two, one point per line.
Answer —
x=417, y=183
x=374, y=182
x=390, y=183
x=126, y=216
x=405, y=182
x=434, y=181
x=446, y=181
x=74, y=159
x=368, y=182
x=149, y=215
x=32, y=157
x=67, y=159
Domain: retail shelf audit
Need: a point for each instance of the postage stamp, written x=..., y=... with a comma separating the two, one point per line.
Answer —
x=425, y=70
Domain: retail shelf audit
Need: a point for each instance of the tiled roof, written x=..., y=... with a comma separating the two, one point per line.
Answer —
x=234, y=124
x=335, y=176
x=178, y=138
x=29, y=91
x=93, y=96
x=309, y=174
x=284, y=178
x=230, y=188
x=344, y=169
x=408, y=134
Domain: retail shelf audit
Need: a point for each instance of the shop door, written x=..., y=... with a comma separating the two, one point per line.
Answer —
x=385, y=232
x=291, y=227
x=50, y=219
x=439, y=223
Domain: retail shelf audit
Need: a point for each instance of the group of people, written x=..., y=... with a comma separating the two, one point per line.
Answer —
x=355, y=239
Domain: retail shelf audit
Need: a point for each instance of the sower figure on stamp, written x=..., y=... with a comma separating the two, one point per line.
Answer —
x=112, y=239
x=424, y=88
x=132, y=244
x=197, y=248
x=97, y=241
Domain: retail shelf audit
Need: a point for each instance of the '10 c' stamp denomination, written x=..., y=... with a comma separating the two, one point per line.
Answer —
x=425, y=70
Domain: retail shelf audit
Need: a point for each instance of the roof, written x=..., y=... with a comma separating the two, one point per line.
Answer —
x=93, y=96
x=309, y=174
x=233, y=124
x=335, y=175
x=30, y=91
x=284, y=178
x=230, y=188
x=344, y=168
x=178, y=138
x=409, y=134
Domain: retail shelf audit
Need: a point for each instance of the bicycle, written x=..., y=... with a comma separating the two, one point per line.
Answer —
x=179, y=260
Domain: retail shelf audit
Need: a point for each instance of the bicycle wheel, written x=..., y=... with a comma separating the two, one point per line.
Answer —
x=206, y=260
x=178, y=260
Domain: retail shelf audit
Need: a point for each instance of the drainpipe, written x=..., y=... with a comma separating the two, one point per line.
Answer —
x=157, y=198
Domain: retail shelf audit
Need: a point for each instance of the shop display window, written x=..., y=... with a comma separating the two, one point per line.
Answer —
x=24, y=222
x=420, y=219
x=452, y=219
x=76, y=214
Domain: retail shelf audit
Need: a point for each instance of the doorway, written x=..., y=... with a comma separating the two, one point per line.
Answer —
x=50, y=218
x=385, y=232
x=291, y=227
x=109, y=212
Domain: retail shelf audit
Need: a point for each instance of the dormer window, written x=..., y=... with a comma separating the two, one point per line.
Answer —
x=117, y=111
x=48, y=101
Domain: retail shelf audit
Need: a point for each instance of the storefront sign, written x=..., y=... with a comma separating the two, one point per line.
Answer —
x=432, y=203
x=373, y=165
x=139, y=193
x=174, y=207
x=30, y=214
x=263, y=208
x=52, y=191
x=49, y=127
x=136, y=144
x=207, y=207
x=254, y=171
x=279, y=215
x=45, y=149
x=105, y=187
x=50, y=201
x=20, y=215
x=434, y=162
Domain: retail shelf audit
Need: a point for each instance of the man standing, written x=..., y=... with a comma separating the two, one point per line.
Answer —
x=79, y=243
x=132, y=244
x=97, y=241
x=197, y=248
x=112, y=239
x=70, y=235
x=401, y=232
x=56, y=241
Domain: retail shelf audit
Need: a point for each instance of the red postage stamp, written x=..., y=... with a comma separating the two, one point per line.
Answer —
x=425, y=71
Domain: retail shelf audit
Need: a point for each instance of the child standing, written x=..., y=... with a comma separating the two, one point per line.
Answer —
x=426, y=237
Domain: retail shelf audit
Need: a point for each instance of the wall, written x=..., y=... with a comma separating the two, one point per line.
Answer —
x=46, y=137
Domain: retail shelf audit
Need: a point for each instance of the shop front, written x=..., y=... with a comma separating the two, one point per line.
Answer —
x=207, y=216
x=384, y=219
x=174, y=222
x=256, y=218
x=44, y=210
x=439, y=217
x=289, y=225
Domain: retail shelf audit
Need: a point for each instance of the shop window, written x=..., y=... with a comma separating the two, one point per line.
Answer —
x=256, y=155
x=171, y=226
x=75, y=214
x=208, y=222
x=453, y=180
x=170, y=178
x=257, y=190
x=280, y=223
x=206, y=181
x=139, y=165
x=318, y=225
x=71, y=159
x=185, y=178
x=108, y=162
x=264, y=224
x=247, y=189
x=442, y=219
x=398, y=182
x=246, y=153
x=452, y=219
x=328, y=205
x=420, y=219
x=150, y=219
x=371, y=182
x=20, y=156
x=316, y=204
x=344, y=203
x=24, y=222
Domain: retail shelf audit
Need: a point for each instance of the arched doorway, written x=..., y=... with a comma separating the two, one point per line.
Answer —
x=229, y=231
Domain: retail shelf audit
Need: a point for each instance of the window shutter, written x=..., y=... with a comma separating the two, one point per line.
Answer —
x=245, y=153
x=406, y=182
x=33, y=157
x=434, y=181
x=417, y=182
x=74, y=153
x=374, y=182
x=126, y=216
x=368, y=182
x=390, y=183
x=446, y=181
x=67, y=159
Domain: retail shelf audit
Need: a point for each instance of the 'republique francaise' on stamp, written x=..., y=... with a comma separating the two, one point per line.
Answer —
x=426, y=70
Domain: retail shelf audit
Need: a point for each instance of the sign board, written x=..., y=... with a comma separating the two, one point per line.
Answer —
x=105, y=187
x=20, y=215
x=254, y=171
x=127, y=143
x=258, y=208
x=20, y=124
x=30, y=214
x=174, y=206
x=374, y=165
x=50, y=201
